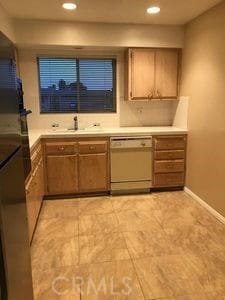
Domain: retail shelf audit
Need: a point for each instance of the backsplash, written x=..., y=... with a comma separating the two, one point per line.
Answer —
x=153, y=113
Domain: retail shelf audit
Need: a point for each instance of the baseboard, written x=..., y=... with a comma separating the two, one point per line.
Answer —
x=205, y=205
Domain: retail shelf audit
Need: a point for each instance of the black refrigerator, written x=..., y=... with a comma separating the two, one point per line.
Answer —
x=15, y=261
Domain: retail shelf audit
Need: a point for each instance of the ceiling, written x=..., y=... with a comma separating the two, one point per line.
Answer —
x=175, y=12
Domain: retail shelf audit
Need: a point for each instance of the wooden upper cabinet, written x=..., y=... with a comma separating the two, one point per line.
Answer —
x=142, y=72
x=166, y=73
x=153, y=73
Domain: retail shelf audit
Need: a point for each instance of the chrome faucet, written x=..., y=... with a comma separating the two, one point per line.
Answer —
x=75, y=123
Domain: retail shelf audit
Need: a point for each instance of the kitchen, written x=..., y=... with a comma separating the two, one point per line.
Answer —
x=123, y=196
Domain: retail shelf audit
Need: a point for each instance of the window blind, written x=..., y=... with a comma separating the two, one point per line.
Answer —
x=77, y=85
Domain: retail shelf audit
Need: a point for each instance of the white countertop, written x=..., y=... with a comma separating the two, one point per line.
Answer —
x=36, y=134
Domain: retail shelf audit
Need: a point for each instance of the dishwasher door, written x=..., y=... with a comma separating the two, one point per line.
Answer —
x=131, y=164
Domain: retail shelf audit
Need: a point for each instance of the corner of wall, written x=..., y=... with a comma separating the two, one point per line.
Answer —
x=181, y=114
x=6, y=24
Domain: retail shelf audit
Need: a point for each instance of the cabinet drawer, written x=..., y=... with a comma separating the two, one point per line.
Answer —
x=169, y=154
x=169, y=179
x=169, y=166
x=67, y=148
x=170, y=143
x=93, y=147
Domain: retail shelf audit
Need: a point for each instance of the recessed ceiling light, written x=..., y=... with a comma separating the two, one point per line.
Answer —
x=69, y=6
x=153, y=10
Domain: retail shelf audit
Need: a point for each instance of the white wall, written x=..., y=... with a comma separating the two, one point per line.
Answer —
x=128, y=114
x=6, y=24
x=36, y=33
x=203, y=80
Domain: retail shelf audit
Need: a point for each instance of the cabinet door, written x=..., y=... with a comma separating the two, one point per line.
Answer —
x=62, y=174
x=31, y=208
x=93, y=172
x=166, y=76
x=141, y=73
x=40, y=187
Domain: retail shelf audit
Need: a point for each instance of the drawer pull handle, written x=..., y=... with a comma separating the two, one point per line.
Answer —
x=170, y=166
x=173, y=181
x=61, y=148
x=92, y=148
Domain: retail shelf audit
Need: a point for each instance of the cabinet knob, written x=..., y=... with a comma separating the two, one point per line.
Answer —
x=92, y=148
x=61, y=148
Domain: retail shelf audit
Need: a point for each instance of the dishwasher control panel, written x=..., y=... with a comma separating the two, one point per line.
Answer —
x=131, y=142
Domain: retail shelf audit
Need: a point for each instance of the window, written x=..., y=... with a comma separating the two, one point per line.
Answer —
x=77, y=85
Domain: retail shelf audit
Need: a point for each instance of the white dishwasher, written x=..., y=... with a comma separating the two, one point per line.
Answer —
x=131, y=164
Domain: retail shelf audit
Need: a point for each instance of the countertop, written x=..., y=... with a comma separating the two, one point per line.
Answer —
x=36, y=134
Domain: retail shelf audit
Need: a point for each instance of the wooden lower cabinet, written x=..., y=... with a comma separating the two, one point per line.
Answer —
x=169, y=155
x=31, y=207
x=62, y=174
x=34, y=192
x=93, y=172
x=75, y=166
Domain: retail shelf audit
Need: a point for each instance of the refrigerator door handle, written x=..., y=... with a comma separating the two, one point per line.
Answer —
x=25, y=112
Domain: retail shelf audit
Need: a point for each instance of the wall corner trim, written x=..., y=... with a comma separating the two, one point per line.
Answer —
x=211, y=210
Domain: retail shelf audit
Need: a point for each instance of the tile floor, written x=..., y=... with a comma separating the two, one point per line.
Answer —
x=156, y=246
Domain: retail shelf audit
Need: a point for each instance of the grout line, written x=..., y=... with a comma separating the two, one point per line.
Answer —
x=131, y=260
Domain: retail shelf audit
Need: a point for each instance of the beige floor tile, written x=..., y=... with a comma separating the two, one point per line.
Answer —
x=144, y=244
x=178, y=249
x=62, y=202
x=133, y=202
x=173, y=200
x=57, y=228
x=56, y=284
x=217, y=231
x=175, y=218
x=54, y=253
x=217, y=295
x=196, y=238
x=166, y=276
x=96, y=205
x=101, y=248
x=196, y=296
x=98, y=224
x=110, y=281
x=210, y=269
x=137, y=221
x=173, y=207
x=204, y=217
x=57, y=211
